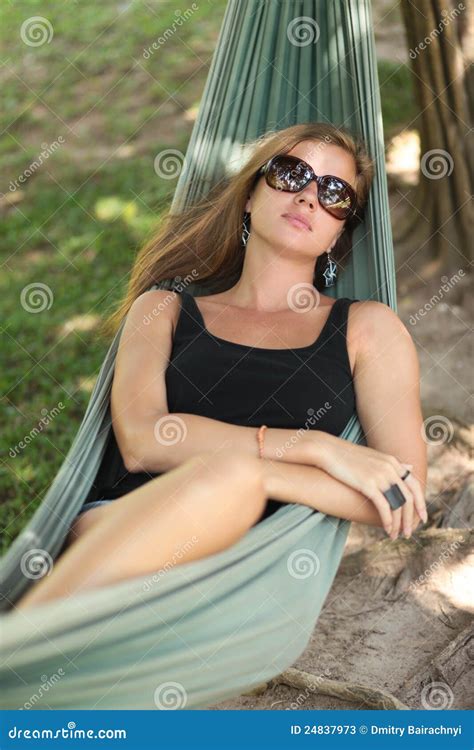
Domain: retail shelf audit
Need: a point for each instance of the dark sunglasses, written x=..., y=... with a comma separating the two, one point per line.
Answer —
x=288, y=173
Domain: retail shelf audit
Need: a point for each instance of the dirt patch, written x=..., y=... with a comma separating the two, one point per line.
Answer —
x=389, y=624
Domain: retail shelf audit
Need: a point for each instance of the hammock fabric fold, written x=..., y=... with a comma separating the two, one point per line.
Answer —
x=211, y=629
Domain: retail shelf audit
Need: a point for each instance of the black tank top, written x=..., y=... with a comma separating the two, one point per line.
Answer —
x=307, y=387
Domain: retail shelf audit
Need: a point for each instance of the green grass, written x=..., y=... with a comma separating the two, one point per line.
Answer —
x=82, y=216
x=79, y=220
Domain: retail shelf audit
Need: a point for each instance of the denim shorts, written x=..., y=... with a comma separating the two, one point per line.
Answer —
x=94, y=504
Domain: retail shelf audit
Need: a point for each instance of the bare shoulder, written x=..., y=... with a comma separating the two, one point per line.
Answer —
x=139, y=386
x=373, y=325
x=374, y=316
x=155, y=305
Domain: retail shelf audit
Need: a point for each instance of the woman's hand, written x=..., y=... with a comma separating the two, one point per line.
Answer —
x=371, y=473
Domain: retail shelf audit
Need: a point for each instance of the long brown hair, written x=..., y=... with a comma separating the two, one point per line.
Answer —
x=202, y=243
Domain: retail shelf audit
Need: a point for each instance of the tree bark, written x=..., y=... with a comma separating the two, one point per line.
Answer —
x=441, y=219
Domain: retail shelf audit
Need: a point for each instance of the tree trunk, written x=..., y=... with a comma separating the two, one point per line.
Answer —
x=440, y=223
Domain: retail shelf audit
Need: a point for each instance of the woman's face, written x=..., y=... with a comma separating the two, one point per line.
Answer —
x=267, y=206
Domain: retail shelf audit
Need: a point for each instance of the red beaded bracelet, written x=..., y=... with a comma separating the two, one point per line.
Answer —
x=260, y=437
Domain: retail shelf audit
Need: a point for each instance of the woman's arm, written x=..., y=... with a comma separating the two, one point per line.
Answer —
x=164, y=441
x=386, y=382
x=308, y=485
x=387, y=387
x=148, y=436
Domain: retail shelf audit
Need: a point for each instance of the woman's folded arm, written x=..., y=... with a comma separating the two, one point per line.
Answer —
x=308, y=485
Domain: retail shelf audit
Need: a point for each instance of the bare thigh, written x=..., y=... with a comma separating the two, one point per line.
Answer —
x=86, y=521
x=202, y=507
x=216, y=477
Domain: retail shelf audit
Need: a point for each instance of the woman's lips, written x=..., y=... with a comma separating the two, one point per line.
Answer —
x=296, y=222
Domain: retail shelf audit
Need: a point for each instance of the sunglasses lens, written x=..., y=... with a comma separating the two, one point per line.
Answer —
x=335, y=197
x=287, y=174
x=292, y=175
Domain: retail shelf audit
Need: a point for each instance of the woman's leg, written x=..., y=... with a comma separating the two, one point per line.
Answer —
x=204, y=506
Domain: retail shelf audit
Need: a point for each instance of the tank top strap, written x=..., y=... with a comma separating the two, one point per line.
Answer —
x=338, y=317
x=189, y=321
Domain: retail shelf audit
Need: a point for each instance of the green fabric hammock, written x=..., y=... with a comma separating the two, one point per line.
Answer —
x=214, y=628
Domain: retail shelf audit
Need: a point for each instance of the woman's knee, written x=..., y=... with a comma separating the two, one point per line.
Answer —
x=232, y=468
x=236, y=480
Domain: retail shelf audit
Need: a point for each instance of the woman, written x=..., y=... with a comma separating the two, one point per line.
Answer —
x=211, y=395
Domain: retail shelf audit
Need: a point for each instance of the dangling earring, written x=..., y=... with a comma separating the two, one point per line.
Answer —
x=245, y=228
x=330, y=272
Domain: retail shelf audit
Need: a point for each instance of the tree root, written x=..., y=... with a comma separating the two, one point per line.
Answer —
x=350, y=691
